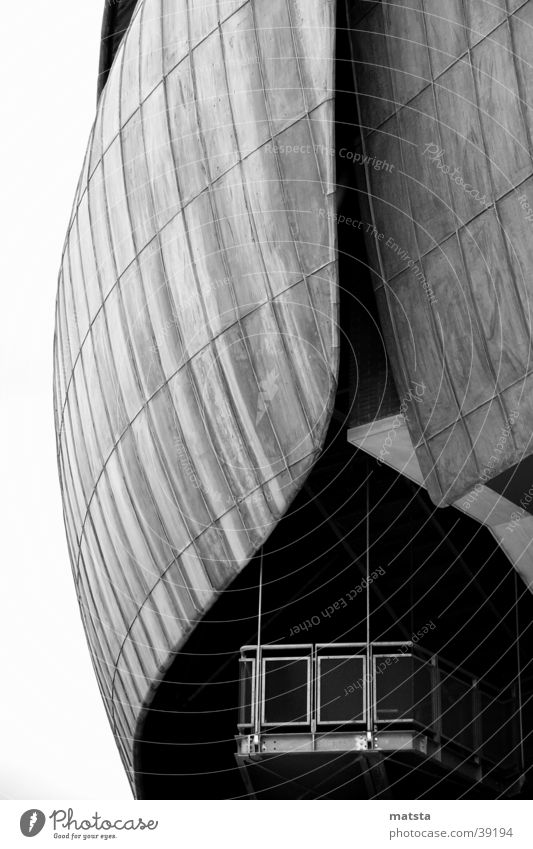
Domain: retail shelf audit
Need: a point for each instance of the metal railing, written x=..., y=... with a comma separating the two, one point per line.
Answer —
x=379, y=688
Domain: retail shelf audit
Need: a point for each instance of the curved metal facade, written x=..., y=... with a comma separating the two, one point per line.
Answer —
x=444, y=96
x=196, y=348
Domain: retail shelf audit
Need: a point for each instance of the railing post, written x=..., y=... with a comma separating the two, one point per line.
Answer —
x=258, y=692
x=314, y=688
x=258, y=656
x=370, y=696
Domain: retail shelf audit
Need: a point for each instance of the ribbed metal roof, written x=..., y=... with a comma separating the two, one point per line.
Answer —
x=197, y=319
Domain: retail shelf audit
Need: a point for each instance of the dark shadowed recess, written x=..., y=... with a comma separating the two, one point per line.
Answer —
x=117, y=16
x=438, y=566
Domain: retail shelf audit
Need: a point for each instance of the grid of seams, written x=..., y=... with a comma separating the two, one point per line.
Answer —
x=445, y=93
x=196, y=348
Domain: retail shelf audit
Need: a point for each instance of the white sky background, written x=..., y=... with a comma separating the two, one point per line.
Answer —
x=55, y=741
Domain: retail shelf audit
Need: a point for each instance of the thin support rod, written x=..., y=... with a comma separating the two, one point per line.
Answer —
x=257, y=724
x=368, y=566
x=369, y=676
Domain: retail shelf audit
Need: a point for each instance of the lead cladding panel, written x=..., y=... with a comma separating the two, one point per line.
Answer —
x=196, y=344
x=444, y=92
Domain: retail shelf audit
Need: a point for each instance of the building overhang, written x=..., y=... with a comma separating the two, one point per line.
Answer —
x=389, y=441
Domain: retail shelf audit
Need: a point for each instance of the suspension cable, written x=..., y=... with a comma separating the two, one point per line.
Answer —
x=369, y=676
x=368, y=564
x=257, y=723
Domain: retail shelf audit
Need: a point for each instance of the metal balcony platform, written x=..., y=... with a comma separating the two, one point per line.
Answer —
x=378, y=721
